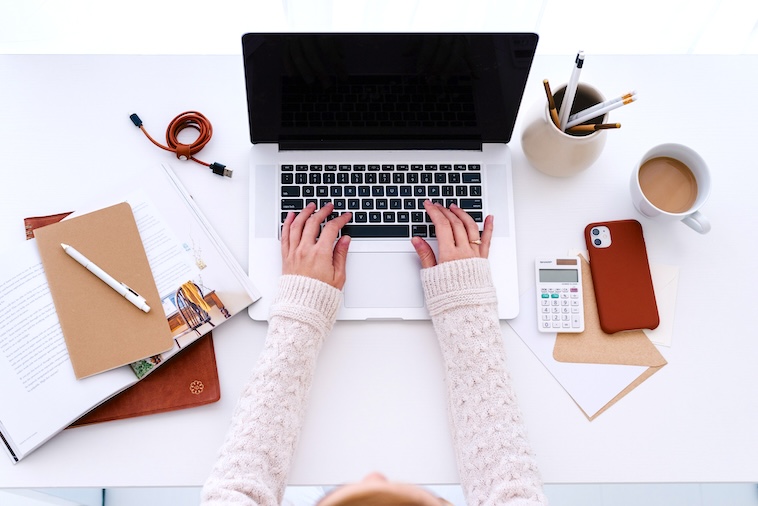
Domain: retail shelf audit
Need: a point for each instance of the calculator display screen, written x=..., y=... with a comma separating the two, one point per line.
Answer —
x=559, y=276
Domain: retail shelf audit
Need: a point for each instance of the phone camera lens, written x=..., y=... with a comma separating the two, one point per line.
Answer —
x=597, y=242
x=595, y=231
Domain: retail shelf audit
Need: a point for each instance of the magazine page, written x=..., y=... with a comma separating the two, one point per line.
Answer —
x=40, y=394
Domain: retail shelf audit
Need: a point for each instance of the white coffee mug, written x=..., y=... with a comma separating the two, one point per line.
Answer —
x=672, y=182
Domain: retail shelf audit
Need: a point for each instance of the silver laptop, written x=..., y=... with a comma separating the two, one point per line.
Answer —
x=376, y=124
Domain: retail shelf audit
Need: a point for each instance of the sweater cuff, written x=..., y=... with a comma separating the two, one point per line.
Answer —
x=458, y=283
x=306, y=299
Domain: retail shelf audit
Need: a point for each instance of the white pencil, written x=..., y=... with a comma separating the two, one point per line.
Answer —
x=586, y=116
x=601, y=105
x=570, y=93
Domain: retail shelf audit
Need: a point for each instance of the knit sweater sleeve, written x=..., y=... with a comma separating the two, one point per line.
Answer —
x=495, y=462
x=254, y=460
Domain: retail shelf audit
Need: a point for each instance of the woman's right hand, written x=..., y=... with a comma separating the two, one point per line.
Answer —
x=310, y=250
x=457, y=236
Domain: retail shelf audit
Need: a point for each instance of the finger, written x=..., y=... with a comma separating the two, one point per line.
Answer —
x=489, y=227
x=285, y=240
x=339, y=261
x=459, y=229
x=424, y=252
x=442, y=227
x=296, y=227
x=472, y=230
x=332, y=229
x=313, y=225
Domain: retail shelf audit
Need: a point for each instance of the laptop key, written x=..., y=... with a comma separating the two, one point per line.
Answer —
x=290, y=191
x=471, y=204
x=292, y=205
x=379, y=231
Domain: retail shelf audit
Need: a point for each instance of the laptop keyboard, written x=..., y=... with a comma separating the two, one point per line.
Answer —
x=387, y=200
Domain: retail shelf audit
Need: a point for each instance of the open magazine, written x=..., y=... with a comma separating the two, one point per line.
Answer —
x=200, y=283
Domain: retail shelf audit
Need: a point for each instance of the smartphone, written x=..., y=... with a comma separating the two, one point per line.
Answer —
x=621, y=276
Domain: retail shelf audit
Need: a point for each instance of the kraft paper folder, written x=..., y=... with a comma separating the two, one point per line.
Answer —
x=103, y=330
x=594, y=346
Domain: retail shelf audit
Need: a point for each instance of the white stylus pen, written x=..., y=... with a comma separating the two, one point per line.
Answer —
x=121, y=288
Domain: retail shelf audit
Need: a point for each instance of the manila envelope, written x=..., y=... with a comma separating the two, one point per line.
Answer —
x=594, y=346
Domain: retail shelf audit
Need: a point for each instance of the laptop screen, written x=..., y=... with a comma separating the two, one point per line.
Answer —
x=385, y=91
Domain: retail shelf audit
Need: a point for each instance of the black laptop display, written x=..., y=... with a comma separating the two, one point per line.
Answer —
x=385, y=91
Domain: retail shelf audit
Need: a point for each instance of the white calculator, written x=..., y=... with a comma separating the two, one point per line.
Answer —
x=560, y=306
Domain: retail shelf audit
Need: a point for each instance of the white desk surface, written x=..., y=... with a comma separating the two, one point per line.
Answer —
x=378, y=398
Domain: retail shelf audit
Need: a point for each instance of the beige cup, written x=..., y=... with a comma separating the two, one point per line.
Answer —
x=672, y=182
x=555, y=152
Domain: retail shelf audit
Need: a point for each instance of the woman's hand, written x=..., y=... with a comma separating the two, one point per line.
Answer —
x=306, y=253
x=457, y=235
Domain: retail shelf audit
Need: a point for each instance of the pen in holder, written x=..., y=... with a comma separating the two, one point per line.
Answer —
x=558, y=153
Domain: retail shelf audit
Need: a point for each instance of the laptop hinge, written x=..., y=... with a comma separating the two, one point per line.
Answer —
x=457, y=143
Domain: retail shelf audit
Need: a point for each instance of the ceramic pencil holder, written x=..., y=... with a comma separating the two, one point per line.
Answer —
x=558, y=153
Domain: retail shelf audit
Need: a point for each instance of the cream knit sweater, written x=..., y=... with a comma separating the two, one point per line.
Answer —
x=495, y=462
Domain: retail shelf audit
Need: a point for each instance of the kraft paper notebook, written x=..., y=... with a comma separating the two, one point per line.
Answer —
x=188, y=380
x=103, y=330
x=593, y=346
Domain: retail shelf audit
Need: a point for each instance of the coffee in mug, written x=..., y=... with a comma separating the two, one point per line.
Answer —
x=668, y=184
x=672, y=182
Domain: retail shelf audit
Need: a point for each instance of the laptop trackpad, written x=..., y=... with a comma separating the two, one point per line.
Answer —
x=383, y=280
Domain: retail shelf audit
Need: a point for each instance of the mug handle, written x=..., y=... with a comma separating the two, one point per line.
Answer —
x=697, y=222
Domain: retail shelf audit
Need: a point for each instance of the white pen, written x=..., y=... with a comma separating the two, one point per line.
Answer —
x=570, y=93
x=601, y=105
x=585, y=116
x=121, y=288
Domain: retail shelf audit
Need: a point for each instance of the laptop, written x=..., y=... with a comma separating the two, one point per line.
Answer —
x=376, y=124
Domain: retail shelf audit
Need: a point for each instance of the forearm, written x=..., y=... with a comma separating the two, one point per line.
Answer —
x=495, y=462
x=254, y=460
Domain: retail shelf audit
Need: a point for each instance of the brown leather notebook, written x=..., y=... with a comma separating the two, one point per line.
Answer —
x=187, y=380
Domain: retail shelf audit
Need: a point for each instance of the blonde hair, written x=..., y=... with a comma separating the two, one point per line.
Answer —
x=378, y=498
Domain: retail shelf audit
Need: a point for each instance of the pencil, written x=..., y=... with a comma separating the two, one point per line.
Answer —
x=592, y=128
x=570, y=93
x=599, y=106
x=581, y=118
x=551, y=104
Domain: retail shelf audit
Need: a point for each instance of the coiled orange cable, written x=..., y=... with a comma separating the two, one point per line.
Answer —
x=188, y=119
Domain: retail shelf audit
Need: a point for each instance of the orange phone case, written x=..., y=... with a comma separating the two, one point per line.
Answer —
x=621, y=278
